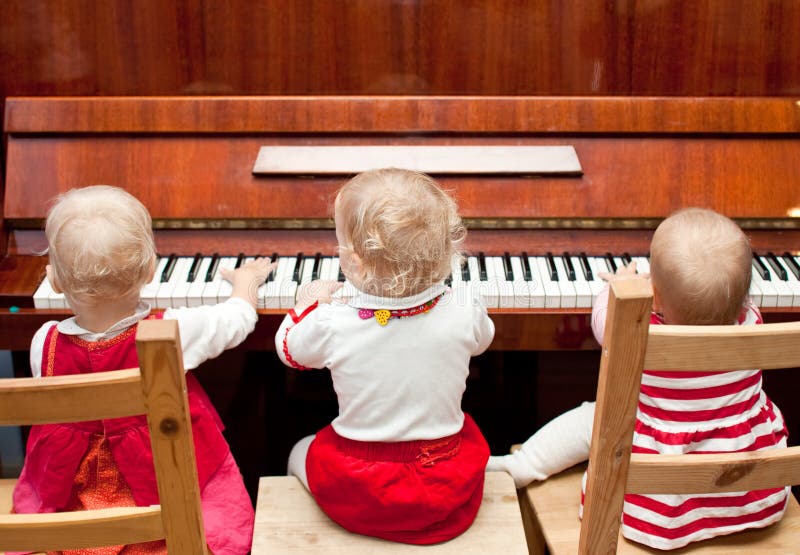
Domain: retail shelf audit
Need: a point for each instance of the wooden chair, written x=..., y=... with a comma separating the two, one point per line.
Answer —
x=550, y=507
x=288, y=520
x=159, y=391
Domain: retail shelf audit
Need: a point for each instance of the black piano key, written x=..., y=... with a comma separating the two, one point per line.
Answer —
x=482, y=266
x=761, y=268
x=792, y=264
x=239, y=260
x=298, y=268
x=568, y=266
x=212, y=268
x=316, y=268
x=198, y=258
x=779, y=270
x=612, y=266
x=271, y=276
x=526, y=267
x=169, y=268
x=509, y=271
x=626, y=258
x=551, y=266
x=341, y=275
x=587, y=269
x=448, y=281
x=465, y=274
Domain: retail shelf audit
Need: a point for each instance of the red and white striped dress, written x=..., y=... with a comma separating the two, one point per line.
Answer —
x=703, y=412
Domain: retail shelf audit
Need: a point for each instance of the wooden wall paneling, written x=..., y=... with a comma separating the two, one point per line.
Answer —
x=506, y=47
x=715, y=47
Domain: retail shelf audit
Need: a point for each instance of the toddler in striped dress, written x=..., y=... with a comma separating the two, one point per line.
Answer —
x=700, y=268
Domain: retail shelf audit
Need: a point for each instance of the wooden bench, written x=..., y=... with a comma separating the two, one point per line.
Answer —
x=288, y=520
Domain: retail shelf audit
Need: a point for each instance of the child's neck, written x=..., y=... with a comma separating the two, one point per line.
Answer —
x=98, y=317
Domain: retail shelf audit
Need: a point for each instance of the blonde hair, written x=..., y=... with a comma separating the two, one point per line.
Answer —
x=403, y=226
x=700, y=265
x=100, y=243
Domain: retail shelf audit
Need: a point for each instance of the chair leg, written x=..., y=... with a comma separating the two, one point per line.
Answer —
x=533, y=531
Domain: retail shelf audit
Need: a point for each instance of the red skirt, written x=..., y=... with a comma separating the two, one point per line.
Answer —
x=418, y=492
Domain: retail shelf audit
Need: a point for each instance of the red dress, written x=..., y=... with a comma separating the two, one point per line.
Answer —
x=106, y=463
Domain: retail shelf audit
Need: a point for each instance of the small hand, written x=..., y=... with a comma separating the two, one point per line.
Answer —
x=320, y=290
x=247, y=278
x=623, y=272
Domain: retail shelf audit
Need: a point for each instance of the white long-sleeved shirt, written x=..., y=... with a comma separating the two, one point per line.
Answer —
x=205, y=331
x=398, y=382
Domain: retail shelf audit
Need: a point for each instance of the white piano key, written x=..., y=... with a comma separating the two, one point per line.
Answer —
x=521, y=288
x=194, y=294
x=793, y=282
x=566, y=287
x=782, y=288
x=642, y=264
x=325, y=271
x=504, y=288
x=767, y=292
x=225, y=286
x=334, y=273
x=41, y=298
x=181, y=289
x=276, y=288
x=583, y=291
x=552, y=293
x=307, y=270
x=148, y=292
x=212, y=288
x=166, y=290
x=536, y=286
x=598, y=265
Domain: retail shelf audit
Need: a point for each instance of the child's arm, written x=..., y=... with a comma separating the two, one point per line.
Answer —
x=483, y=326
x=206, y=331
x=306, y=346
x=559, y=444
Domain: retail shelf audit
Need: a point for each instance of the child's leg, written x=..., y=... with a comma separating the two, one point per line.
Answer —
x=559, y=444
x=297, y=459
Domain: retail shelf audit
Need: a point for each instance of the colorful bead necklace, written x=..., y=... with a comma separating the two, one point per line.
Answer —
x=383, y=315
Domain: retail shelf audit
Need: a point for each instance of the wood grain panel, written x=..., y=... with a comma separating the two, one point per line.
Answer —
x=594, y=47
x=412, y=114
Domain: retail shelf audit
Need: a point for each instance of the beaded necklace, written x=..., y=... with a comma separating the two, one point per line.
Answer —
x=382, y=315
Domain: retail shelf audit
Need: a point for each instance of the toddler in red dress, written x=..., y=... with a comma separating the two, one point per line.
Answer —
x=401, y=461
x=102, y=252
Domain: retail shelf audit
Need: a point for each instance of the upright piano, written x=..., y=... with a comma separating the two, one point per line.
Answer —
x=191, y=161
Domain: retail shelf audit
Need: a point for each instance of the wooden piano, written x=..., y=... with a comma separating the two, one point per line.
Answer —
x=190, y=160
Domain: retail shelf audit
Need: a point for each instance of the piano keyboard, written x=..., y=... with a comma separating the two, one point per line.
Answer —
x=509, y=281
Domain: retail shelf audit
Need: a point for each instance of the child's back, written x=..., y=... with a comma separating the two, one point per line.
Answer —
x=700, y=272
x=108, y=463
x=401, y=461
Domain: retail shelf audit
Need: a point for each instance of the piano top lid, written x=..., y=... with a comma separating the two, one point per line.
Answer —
x=402, y=114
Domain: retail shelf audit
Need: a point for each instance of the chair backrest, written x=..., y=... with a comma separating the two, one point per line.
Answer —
x=157, y=389
x=630, y=346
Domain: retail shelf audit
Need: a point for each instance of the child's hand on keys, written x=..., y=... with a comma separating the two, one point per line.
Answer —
x=247, y=278
x=319, y=290
x=623, y=272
